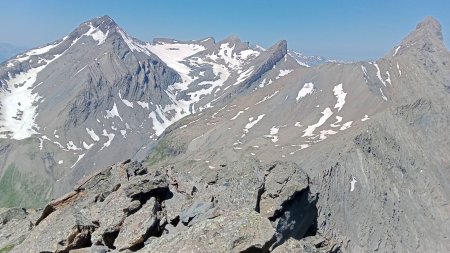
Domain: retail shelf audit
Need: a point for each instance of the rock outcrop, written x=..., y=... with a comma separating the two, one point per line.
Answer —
x=241, y=207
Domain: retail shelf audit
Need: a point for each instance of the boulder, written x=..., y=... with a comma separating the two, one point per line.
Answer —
x=141, y=185
x=139, y=226
x=242, y=230
x=283, y=181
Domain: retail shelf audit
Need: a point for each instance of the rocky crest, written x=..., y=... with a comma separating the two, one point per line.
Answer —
x=241, y=207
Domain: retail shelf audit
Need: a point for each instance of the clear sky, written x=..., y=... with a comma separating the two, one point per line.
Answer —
x=339, y=29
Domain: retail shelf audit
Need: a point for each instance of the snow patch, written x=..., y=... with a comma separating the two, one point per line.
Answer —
x=173, y=54
x=252, y=122
x=110, y=138
x=244, y=54
x=92, y=134
x=325, y=115
x=284, y=72
x=346, y=125
x=364, y=70
x=113, y=113
x=365, y=118
x=308, y=88
x=19, y=109
x=266, y=98
x=324, y=133
x=273, y=134
x=237, y=115
x=72, y=146
x=388, y=79
x=396, y=50
x=379, y=74
x=126, y=102
x=143, y=104
x=382, y=95
x=340, y=95
x=86, y=146
x=158, y=126
x=338, y=120
x=352, y=184
x=37, y=51
x=97, y=34
x=79, y=158
x=132, y=44
x=244, y=75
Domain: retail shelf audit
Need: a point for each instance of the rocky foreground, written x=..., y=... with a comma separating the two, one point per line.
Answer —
x=241, y=207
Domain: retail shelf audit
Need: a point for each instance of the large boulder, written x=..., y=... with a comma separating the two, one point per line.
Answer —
x=241, y=230
x=139, y=226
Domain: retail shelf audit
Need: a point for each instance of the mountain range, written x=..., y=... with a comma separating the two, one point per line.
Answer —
x=205, y=146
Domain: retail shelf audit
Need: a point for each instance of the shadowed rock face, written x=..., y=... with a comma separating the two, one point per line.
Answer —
x=334, y=158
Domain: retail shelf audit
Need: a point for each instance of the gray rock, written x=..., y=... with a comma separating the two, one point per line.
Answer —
x=61, y=231
x=146, y=184
x=240, y=230
x=110, y=215
x=197, y=211
x=312, y=244
x=15, y=225
x=139, y=226
x=283, y=182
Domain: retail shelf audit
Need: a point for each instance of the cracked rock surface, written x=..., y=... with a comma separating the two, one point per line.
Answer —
x=133, y=207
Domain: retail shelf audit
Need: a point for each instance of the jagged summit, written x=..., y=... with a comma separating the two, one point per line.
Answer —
x=431, y=27
x=282, y=44
x=426, y=38
x=231, y=39
x=102, y=22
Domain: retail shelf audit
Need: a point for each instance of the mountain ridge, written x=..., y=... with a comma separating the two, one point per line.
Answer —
x=338, y=157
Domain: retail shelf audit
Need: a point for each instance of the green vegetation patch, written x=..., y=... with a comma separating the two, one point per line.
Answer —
x=163, y=150
x=7, y=248
x=19, y=189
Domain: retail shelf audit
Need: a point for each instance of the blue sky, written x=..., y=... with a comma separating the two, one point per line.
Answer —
x=339, y=29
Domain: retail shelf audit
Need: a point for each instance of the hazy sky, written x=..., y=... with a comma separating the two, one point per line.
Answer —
x=339, y=29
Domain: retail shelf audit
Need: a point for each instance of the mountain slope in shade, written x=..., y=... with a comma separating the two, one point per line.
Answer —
x=99, y=95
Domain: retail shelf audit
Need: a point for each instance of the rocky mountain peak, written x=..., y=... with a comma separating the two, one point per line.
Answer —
x=233, y=39
x=429, y=27
x=103, y=23
x=99, y=28
x=426, y=38
x=280, y=46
